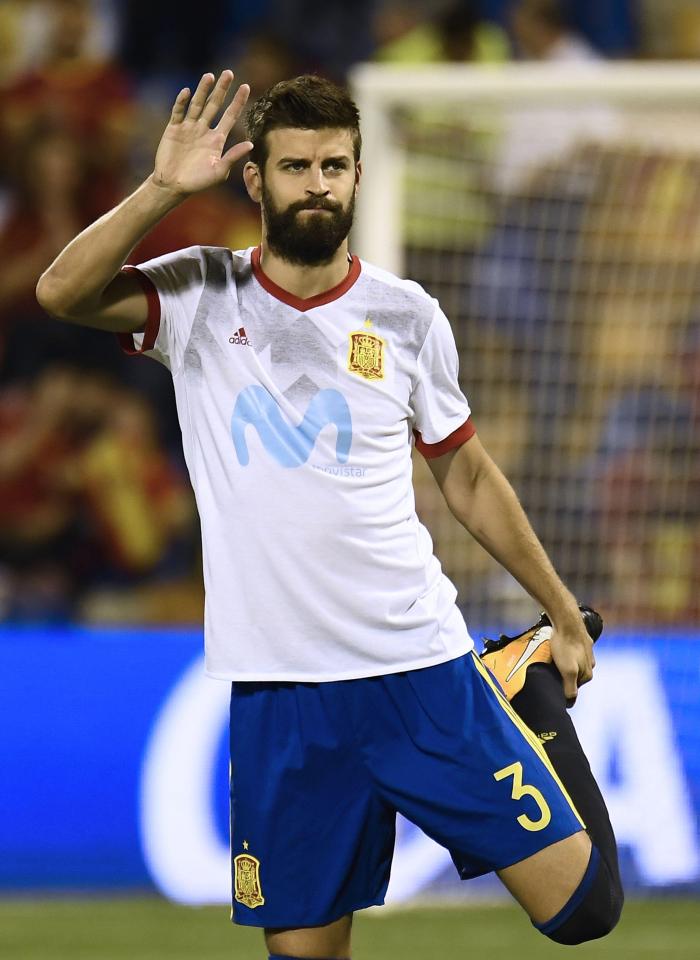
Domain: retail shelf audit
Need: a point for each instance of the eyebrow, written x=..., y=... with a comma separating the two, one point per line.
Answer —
x=341, y=158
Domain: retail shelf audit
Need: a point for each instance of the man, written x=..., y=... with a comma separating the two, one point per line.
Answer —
x=301, y=376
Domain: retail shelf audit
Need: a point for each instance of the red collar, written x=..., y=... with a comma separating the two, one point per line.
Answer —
x=304, y=303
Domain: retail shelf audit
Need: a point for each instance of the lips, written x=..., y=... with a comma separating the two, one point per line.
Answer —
x=321, y=206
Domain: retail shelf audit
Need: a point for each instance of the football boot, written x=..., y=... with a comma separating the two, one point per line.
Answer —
x=508, y=658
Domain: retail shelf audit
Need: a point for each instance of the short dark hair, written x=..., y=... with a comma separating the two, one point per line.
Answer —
x=308, y=103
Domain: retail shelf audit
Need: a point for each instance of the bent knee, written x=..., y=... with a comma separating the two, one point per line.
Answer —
x=589, y=922
x=593, y=910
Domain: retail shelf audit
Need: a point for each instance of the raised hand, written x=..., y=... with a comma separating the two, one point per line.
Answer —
x=190, y=156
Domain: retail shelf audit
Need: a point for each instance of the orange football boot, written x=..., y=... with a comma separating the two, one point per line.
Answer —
x=509, y=657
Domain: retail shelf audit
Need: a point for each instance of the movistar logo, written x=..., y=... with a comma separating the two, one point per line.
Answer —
x=290, y=445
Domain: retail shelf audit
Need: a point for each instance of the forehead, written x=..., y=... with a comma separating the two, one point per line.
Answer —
x=307, y=144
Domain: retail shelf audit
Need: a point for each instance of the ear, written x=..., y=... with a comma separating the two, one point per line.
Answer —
x=358, y=176
x=253, y=181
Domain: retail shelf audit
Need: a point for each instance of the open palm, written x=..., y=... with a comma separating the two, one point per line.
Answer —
x=190, y=156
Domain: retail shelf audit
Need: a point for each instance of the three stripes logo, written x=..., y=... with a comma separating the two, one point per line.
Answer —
x=240, y=338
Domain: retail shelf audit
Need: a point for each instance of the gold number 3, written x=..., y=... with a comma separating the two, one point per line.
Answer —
x=520, y=789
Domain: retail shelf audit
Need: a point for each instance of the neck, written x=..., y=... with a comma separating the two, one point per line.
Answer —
x=303, y=281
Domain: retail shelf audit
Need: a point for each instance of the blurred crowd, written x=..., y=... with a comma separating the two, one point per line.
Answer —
x=98, y=521
x=576, y=307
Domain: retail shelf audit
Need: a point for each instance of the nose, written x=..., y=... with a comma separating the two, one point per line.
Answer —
x=317, y=186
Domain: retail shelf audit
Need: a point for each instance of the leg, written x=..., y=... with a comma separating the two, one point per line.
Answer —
x=461, y=765
x=571, y=889
x=311, y=840
x=592, y=909
x=542, y=705
x=331, y=942
x=524, y=668
x=543, y=883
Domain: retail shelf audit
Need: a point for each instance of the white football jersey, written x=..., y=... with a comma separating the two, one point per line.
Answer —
x=298, y=418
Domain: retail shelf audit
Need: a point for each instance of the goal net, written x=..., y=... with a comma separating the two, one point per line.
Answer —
x=555, y=213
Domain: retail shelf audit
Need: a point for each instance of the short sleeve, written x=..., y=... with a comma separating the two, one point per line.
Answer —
x=173, y=285
x=441, y=414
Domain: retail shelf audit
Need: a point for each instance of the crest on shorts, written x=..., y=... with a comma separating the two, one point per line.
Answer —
x=246, y=880
x=366, y=354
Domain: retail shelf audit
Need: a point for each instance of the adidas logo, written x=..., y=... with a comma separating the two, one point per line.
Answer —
x=240, y=338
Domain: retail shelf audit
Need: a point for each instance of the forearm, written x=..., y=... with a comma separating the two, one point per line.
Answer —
x=83, y=285
x=492, y=513
x=74, y=283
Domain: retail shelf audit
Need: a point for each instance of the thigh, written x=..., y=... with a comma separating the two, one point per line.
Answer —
x=458, y=762
x=546, y=881
x=311, y=840
x=331, y=941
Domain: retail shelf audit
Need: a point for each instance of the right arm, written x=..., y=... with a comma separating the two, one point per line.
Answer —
x=84, y=284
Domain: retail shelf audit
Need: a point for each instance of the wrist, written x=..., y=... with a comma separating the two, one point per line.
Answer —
x=565, y=613
x=164, y=196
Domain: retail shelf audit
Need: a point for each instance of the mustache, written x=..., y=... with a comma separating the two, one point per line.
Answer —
x=320, y=203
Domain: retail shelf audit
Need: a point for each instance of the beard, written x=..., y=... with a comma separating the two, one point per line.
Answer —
x=307, y=241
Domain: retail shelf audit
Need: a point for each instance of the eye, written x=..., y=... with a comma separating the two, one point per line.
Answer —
x=336, y=165
x=295, y=165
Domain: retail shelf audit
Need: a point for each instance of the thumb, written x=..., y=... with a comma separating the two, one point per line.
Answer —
x=235, y=154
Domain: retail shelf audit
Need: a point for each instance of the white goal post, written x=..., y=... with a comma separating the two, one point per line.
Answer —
x=554, y=210
x=381, y=89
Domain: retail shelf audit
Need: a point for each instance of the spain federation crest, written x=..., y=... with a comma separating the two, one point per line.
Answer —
x=366, y=354
x=246, y=881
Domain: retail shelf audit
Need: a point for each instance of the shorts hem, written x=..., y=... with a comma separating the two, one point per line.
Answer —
x=464, y=875
x=287, y=923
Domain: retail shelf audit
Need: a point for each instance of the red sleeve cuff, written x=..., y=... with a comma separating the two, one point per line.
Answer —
x=126, y=340
x=454, y=440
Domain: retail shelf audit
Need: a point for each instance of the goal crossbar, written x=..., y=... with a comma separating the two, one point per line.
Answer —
x=381, y=89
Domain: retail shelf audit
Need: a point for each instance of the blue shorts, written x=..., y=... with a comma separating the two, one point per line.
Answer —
x=319, y=771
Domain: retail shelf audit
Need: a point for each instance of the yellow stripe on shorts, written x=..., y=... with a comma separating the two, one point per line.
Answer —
x=526, y=732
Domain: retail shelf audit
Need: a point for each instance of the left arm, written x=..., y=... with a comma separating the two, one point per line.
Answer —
x=484, y=502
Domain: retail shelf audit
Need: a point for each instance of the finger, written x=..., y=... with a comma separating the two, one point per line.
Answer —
x=180, y=106
x=233, y=110
x=585, y=671
x=570, y=687
x=235, y=153
x=217, y=96
x=200, y=96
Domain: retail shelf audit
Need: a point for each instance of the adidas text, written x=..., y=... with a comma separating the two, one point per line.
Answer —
x=240, y=338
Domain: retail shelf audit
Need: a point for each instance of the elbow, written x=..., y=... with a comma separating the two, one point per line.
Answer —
x=50, y=298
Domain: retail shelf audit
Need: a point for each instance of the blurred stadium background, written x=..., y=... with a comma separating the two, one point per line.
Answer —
x=553, y=206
